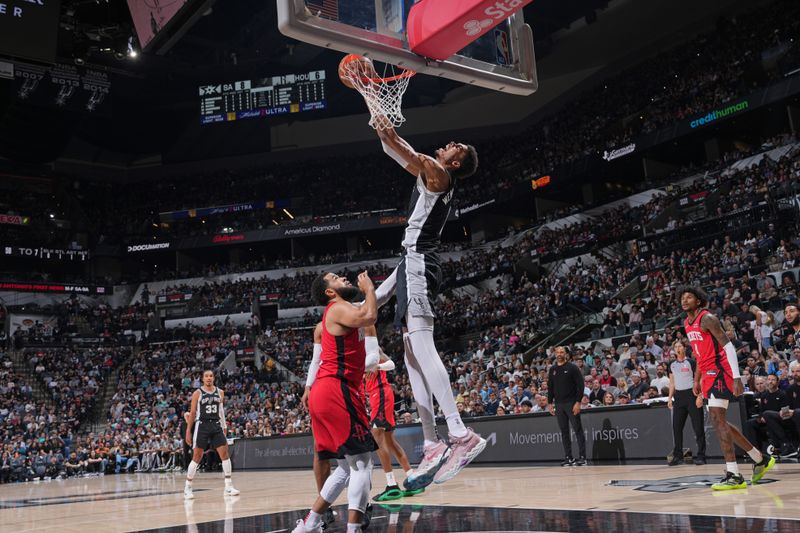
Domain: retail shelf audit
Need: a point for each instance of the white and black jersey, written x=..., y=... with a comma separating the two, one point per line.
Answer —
x=209, y=420
x=427, y=214
x=419, y=274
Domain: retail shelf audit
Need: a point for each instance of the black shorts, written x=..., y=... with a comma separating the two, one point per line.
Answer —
x=419, y=278
x=208, y=433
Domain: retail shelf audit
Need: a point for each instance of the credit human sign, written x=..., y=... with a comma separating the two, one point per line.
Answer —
x=719, y=113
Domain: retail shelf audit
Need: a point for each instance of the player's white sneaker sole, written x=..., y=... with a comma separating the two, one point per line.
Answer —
x=230, y=491
x=301, y=528
x=434, y=457
x=462, y=451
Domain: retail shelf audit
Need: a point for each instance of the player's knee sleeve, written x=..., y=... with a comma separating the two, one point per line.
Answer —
x=360, y=481
x=336, y=482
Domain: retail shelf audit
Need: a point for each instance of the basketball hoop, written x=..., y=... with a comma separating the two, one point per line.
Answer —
x=383, y=94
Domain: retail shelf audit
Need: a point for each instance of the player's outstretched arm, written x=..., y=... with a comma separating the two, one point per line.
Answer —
x=398, y=148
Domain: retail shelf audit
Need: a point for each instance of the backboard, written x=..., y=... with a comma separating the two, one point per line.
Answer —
x=502, y=59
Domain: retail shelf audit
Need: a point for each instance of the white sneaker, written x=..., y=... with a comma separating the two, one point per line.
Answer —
x=462, y=451
x=231, y=491
x=301, y=528
x=434, y=456
x=187, y=493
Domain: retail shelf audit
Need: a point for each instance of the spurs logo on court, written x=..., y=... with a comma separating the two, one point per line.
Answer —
x=671, y=484
x=474, y=27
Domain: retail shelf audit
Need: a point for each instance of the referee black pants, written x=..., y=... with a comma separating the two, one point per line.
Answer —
x=565, y=417
x=683, y=406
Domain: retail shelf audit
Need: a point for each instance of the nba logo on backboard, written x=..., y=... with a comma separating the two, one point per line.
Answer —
x=501, y=46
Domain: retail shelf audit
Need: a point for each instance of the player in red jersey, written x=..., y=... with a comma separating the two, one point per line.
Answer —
x=381, y=403
x=338, y=412
x=717, y=379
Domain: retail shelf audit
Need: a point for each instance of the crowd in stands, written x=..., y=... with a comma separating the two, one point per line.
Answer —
x=76, y=315
x=38, y=212
x=707, y=72
x=502, y=370
x=703, y=73
x=495, y=375
x=38, y=435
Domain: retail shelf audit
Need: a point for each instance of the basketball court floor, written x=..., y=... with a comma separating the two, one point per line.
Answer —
x=511, y=498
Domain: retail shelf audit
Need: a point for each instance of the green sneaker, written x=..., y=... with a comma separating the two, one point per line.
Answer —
x=759, y=469
x=392, y=507
x=730, y=482
x=407, y=493
x=389, y=494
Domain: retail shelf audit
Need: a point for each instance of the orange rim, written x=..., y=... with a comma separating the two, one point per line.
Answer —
x=407, y=73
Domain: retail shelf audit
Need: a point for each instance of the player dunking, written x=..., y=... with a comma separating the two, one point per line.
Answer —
x=717, y=379
x=208, y=415
x=338, y=411
x=381, y=403
x=416, y=281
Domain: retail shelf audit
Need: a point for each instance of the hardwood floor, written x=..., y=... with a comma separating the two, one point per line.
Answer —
x=659, y=497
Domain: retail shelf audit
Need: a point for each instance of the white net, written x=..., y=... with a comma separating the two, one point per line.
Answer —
x=383, y=94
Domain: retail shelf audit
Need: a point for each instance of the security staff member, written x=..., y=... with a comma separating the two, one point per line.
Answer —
x=684, y=404
x=564, y=394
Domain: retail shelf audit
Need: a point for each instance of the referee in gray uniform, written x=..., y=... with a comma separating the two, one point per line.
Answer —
x=684, y=404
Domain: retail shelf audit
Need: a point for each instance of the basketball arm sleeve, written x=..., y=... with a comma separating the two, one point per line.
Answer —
x=386, y=289
x=373, y=352
x=730, y=353
x=314, y=366
x=386, y=366
x=394, y=155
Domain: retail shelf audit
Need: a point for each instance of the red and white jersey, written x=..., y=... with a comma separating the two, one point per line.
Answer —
x=707, y=351
x=342, y=356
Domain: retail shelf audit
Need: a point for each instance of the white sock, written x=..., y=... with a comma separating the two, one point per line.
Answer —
x=436, y=377
x=390, y=479
x=227, y=468
x=430, y=442
x=414, y=516
x=422, y=394
x=353, y=528
x=733, y=467
x=394, y=518
x=313, y=519
x=755, y=455
x=455, y=426
x=190, y=473
x=409, y=472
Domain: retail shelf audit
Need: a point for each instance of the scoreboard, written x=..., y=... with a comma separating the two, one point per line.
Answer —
x=277, y=95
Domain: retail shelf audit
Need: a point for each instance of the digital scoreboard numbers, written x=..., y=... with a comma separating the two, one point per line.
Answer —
x=278, y=95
